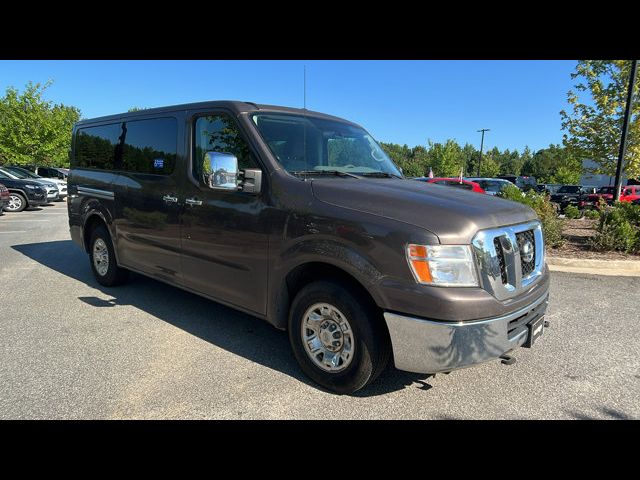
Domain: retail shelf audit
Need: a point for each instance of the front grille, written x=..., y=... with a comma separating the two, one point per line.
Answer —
x=500, y=254
x=522, y=238
x=504, y=273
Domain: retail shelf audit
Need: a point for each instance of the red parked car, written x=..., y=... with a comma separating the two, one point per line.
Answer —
x=630, y=193
x=4, y=197
x=453, y=182
x=627, y=194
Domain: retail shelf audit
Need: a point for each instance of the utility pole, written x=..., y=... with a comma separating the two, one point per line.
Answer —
x=481, y=145
x=625, y=128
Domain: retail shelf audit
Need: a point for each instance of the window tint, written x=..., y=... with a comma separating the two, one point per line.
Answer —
x=569, y=189
x=219, y=133
x=96, y=147
x=150, y=146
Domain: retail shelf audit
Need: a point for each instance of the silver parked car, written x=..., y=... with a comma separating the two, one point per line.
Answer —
x=492, y=186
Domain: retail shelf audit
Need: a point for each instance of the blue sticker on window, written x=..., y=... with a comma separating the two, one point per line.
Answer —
x=158, y=163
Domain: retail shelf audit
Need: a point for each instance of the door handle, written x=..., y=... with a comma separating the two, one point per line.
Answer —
x=170, y=199
x=193, y=202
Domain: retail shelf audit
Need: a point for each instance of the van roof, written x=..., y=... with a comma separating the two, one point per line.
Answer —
x=237, y=107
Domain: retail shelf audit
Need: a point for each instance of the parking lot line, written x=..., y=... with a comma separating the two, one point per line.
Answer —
x=22, y=220
x=15, y=231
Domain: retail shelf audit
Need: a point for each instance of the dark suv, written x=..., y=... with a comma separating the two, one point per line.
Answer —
x=301, y=219
x=576, y=195
x=22, y=193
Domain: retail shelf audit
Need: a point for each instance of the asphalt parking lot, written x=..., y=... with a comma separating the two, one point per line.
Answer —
x=72, y=349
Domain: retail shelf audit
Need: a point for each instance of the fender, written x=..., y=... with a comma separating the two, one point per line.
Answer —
x=318, y=250
x=92, y=207
x=17, y=190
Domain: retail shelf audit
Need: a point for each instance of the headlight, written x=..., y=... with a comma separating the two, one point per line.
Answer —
x=443, y=265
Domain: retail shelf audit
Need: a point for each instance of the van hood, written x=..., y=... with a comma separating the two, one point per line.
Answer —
x=452, y=214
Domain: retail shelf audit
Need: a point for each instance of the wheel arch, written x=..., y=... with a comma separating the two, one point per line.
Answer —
x=92, y=220
x=298, y=276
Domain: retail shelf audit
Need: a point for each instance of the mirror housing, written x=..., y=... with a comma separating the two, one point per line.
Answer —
x=221, y=170
x=251, y=180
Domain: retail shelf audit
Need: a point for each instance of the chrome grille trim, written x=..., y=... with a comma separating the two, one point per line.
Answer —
x=507, y=282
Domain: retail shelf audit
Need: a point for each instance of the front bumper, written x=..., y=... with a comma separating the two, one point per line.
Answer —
x=427, y=346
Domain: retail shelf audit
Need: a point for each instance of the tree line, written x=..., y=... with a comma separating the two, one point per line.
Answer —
x=555, y=164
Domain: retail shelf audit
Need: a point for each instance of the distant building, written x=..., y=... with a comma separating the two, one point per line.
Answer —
x=598, y=180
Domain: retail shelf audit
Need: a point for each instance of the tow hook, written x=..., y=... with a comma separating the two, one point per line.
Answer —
x=507, y=359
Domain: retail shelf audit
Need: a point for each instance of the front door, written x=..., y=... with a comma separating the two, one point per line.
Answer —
x=224, y=230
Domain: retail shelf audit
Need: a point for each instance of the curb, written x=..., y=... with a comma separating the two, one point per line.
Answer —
x=625, y=268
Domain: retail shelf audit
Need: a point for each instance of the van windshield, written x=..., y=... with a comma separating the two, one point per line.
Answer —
x=306, y=144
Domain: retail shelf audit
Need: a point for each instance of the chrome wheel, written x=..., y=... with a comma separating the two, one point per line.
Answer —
x=327, y=337
x=15, y=203
x=100, y=257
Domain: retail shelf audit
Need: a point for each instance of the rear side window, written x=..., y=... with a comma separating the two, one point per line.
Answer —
x=150, y=146
x=96, y=147
x=137, y=146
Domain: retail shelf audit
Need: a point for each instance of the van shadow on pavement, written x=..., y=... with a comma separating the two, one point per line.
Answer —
x=234, y=331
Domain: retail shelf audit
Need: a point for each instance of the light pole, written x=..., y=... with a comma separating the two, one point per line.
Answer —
x=625, y=128
x=481, y=145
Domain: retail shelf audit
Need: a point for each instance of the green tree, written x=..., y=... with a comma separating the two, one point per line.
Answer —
x=34, y=130
x=447, y=160
x=594, y=123
x=510, y=162
x=489, y=167
x=555, y=164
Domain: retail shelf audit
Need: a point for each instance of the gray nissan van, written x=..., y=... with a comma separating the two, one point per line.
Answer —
x=301, y=219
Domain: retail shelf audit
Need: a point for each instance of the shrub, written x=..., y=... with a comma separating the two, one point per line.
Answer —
x=618, y=229
x=571, y=211
x=592, y=214
x=551, y=224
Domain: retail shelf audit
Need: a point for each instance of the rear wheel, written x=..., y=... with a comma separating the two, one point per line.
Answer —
x=339, y=339
x=17, y=202
x=103, y=259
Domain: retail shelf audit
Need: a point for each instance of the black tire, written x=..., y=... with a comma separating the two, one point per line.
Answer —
x=370, y=336
x=114, y=275
x=19, y=197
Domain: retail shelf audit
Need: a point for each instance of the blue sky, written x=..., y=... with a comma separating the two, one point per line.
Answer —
x=397, y=101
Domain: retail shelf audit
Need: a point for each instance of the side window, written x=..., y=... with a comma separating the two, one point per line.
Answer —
x=219, y=133
x=96, y=147
x=150, y=146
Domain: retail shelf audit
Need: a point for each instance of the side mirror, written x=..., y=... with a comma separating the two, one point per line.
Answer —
x=220, y=170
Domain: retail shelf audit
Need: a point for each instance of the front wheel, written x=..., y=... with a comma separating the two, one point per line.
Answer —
x=338, y=338
x=103, y=259
x=17, y=203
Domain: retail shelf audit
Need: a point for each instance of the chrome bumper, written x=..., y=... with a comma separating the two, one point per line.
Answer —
x=426, y=346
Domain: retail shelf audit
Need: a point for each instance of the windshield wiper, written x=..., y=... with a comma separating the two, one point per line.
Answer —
x=380, y=174
x=324, y=172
